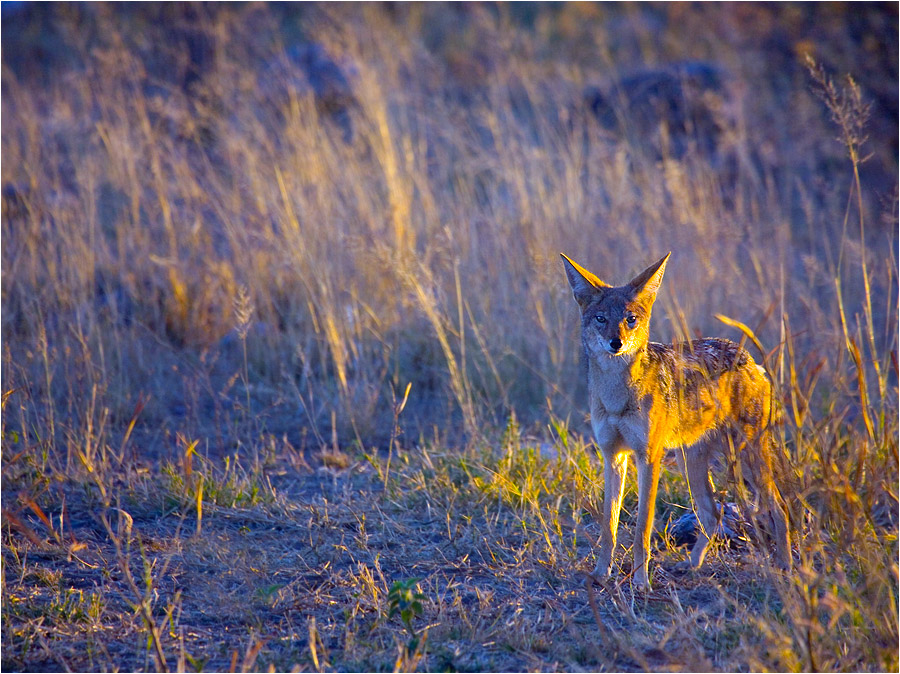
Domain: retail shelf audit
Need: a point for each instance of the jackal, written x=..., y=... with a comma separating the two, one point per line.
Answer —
x=646, y=398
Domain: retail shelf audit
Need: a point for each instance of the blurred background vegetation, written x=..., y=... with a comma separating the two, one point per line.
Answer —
x=266, y=220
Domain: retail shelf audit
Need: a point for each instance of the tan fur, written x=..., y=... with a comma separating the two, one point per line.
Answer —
x=646, y=398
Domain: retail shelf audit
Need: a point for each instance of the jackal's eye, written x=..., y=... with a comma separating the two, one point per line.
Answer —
x=631, y=320
x=600, y=318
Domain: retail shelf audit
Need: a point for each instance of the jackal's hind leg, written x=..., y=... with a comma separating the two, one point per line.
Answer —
x=696, y=469
x=780, y=530
x=771, y=507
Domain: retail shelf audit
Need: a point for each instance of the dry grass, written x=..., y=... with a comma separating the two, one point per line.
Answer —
x=265, y=346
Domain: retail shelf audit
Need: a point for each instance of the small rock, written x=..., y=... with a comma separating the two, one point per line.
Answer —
x=731, y=527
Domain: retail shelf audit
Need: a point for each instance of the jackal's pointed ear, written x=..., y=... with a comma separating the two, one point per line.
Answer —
x=647, y=282
x=584, y=284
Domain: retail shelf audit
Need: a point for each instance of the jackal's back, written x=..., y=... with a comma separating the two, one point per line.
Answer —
x=706, y=385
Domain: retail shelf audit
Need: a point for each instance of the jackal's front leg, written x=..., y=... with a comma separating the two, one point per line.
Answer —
x=615, y=465
x=648, y=481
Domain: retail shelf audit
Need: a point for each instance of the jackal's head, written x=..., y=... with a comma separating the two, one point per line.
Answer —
x=615, y=320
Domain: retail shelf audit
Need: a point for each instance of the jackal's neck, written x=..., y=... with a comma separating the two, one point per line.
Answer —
x=613, y=381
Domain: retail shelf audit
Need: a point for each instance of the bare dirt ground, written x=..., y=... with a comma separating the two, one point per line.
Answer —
x=297, y=574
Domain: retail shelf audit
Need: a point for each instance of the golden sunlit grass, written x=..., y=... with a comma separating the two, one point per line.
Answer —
x=291, y=374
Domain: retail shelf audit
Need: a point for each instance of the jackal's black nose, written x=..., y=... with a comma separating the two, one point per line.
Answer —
x=615, y=344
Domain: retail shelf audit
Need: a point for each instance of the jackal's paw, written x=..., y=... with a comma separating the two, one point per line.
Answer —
x=602, y=572
x=784, y=564
x=600, y=579
x=683, y=567
x=593, y=578
x=641, y=582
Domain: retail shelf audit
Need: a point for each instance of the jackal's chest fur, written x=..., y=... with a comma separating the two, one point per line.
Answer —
x=617, y=415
